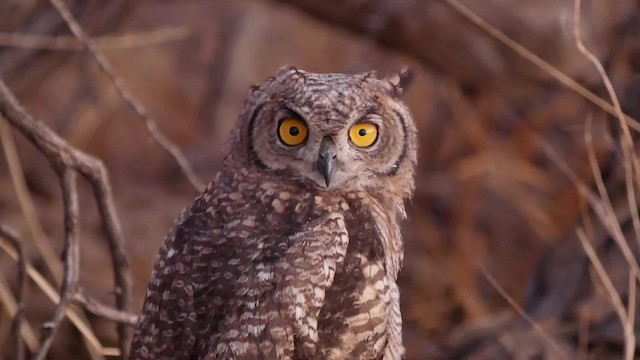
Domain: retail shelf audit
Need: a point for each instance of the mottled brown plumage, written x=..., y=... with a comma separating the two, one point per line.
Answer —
x=293, y=251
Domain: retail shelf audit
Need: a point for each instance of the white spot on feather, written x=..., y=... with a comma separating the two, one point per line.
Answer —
x=265, y=275
x=255, y=330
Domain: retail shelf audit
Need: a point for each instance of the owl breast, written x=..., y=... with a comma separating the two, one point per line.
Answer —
x=353, y=323
x=353, y=320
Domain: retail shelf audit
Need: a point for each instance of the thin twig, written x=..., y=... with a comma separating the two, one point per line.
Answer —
x=630, y=343
x=71, y=259
x=10, y=305
x=554, y=345
x=18, y=318
x=630, y=164
x=538, y=61
x=49, y=290
x=608, y=217
x=585, y=317
x=26, y=202
x=611, y=221
x=628, y=148
x=617, y=303
x=110, y=42
x=128, y=97
x=105, y=311
x=62, y=156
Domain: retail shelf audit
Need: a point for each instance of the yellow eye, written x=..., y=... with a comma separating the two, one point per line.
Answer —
x=292, y=132
x=363, y=134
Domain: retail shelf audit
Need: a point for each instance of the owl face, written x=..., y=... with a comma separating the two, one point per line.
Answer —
x=333, y=131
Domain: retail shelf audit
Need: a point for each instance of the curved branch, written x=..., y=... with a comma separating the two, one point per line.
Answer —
x=69, y=283
x=97, y=308
x=65, y=158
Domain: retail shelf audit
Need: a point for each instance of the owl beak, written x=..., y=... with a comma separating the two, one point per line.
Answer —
x=326, y=163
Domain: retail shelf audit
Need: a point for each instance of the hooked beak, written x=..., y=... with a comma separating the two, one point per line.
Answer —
x=327, y=161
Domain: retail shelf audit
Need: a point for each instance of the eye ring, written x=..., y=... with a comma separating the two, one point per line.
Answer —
x=292, y=132
x=363, y=134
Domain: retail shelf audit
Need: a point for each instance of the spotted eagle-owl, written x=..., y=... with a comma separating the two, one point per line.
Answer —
x=293, y=250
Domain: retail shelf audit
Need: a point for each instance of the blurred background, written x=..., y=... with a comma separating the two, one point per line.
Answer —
x=494, y=268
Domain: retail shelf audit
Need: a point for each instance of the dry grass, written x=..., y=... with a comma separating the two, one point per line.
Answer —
x=602, y=204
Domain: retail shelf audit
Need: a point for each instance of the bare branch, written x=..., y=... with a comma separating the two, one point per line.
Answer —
x=65, y=158
x=74, y=316
x=112, y=42
x=18, y=318
x=129, y=98
x=35, y=228
x=71, y=259
x=97, y=308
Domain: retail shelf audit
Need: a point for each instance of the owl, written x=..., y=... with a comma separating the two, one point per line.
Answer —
x=293, y=250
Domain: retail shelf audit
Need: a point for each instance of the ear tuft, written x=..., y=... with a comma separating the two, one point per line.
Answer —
x=285, y=69
x=254, y=88
x=400, y=82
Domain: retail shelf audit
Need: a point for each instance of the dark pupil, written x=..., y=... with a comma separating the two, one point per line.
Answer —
x=294, y=131
x=362, y=132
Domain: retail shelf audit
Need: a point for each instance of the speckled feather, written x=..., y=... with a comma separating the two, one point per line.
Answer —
x=270, y=263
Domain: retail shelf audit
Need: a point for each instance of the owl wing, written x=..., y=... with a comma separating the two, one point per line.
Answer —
x=261, y=302
x=166, y=326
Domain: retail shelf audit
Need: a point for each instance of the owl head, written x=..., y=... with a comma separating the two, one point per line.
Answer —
x=334, y=132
